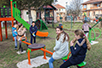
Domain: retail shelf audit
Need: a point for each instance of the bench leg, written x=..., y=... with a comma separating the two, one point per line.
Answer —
x=45, y=53
x=29, y=58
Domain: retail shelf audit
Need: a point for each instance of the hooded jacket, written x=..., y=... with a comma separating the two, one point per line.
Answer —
x=78, y=52
x=33, y=29
x=14, y=32
x=61, y=48
x=21, y=32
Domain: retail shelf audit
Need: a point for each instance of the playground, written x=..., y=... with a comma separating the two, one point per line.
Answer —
x=9, y=58
x=45, y=42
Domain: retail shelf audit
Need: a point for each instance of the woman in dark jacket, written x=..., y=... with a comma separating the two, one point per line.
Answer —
x=79, y=51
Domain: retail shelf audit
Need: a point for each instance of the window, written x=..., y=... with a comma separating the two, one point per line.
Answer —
x=62, y=9
x=94, y=13
x=98, y=5
x=89, y=13
x=56, y=1
x=59, y=9
x=85, y=6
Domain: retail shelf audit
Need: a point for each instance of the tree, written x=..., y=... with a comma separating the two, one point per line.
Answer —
x=4, y=2
x=28, y=4
x=74, y=7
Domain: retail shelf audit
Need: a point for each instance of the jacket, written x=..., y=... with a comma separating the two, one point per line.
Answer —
x=61, y=48
x=21, y=32
x=78, y=52
x=33, y=29
x=86, y=27
x=14, y=32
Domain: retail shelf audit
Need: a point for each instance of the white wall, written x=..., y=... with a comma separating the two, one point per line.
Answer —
x=101, y=5
x=61, y=10
x=25, y=16
x=88, y=6
x=33, y=13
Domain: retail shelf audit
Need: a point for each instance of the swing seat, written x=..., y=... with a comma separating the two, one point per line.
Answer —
x=23, y=40
x=82, y=64
x=65, y=58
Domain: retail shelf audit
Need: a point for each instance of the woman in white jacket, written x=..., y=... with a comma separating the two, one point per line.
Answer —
x=61, y=47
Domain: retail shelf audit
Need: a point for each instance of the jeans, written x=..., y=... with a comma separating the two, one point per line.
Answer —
x=65, y=61
x=32, y=39
x=66, y=64
x=86, y=34
x=51, y=62
x=15, y=38
x=21, y=42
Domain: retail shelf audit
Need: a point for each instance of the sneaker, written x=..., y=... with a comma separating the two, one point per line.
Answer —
x=15, y=48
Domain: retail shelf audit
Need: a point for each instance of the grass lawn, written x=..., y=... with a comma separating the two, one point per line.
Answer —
x=9, y=58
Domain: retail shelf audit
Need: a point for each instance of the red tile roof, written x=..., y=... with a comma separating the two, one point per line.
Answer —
x=92, y=1
x=59, y=6
x=48, y=6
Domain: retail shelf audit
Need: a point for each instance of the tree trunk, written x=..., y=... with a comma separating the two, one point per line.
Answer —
x=30, y=17
x=100, y=24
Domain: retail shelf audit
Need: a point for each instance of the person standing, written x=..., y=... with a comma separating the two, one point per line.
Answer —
x=86, y=27
x=14, y=33
x=33, y=30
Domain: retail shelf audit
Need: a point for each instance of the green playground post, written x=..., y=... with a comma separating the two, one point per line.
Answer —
x=92, y=29
x=52, y=21
x=28, y=50
x=60, y=18
x=90, y=39
x=71, y=21
x=89, y=35
x=4, y=6
x=99, y=34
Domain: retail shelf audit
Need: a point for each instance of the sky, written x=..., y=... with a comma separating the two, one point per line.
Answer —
x=63, y=2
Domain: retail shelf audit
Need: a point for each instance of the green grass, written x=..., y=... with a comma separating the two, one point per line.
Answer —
x=9, y=58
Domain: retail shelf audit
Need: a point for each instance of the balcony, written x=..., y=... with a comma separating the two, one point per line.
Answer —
x=84, y=8
x=94, y=7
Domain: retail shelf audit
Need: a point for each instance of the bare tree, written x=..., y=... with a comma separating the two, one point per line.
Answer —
x=74, y=7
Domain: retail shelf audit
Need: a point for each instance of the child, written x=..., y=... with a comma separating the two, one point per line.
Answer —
x=86, y=27
x=79, y=51
x=61, y=48
x=33, y=30
x=21, y=32
x=14, y=33
x=60, y=25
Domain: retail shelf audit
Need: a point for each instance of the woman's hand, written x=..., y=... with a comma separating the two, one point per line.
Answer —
x=71, y=43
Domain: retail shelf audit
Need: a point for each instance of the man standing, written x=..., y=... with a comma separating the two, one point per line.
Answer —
x=33, y=30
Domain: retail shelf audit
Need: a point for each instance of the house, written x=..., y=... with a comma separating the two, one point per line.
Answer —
x=46, y=13
x=92, y=8
x=60, y=12
x=24, y=14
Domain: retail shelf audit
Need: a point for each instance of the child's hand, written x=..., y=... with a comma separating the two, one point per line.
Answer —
x=71, y=44
x=33, y=32
x=24, y=29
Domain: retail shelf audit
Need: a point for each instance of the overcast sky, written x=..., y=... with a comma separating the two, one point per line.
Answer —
x=63, y=2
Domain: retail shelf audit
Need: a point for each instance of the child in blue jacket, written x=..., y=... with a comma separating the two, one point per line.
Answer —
x=79, y=51
x=14, y=33
x=33, y=30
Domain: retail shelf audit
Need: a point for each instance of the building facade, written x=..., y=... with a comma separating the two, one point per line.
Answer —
x=92, y=8
x=60, y=13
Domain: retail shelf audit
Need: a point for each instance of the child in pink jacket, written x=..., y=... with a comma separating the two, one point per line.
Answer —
x=85, y=27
